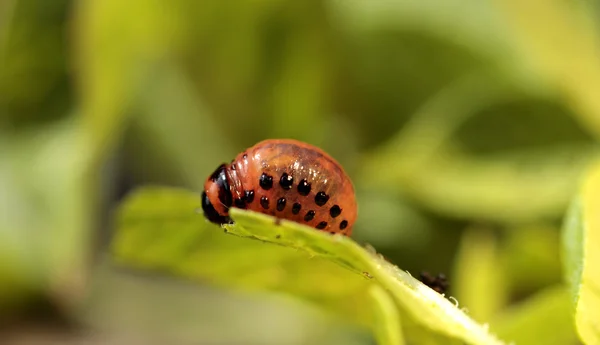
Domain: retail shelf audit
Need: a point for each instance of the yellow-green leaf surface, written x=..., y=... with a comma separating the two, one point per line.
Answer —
x=562, y=43
x=581, y=240
x=111, y=72
x=159, y=228
x=479, y=284
x=529, y=322
x=498, y=185
x=44, y=219
x=386, y=319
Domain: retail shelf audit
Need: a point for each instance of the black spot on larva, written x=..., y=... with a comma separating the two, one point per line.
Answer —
x=245, y=155
x=280, y=204
x=321, y=198
x=309, y=216
x=304, y=187
x=264, y=202
x=249, y=196
x=233, y=166
x=332, y=232
x=335, y=211
x=343, y=224
x=239, y=203
x=286, y=181
x=296, y=208
x=265, y=181
x=322, y=225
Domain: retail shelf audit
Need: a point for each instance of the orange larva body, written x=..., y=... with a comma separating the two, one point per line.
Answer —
x=287, y=179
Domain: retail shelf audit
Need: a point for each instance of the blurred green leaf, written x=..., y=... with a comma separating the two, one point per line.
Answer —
x=34, y=84
x=396, y=54
x=476, y=24
x=173, y=136
x=121, y=301
x=545, y=318
x=529, y=258
x=273, y=77
x=116, y=53
x=427, y=161
x=581, y=241
x=562, y=44
x=145, y=238
x=44, y=230
x=386, y=321
x=158, y=228
x=478, y=282
x=391, y=221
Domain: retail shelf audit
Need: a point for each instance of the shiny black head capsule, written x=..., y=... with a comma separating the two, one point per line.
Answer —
x=217, y=198
x=211, y=214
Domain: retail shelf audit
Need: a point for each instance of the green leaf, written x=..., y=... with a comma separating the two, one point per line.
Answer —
x=157, y=228
x=44, y=232
x=529, y=257
x=562, y=43
x=480, y=26
x=386, y=320
x=167, y=142
x=581, y=244
x=497, y=185
x=109, y=45
x=479, y=282
x=545, y=318
x=120, y=301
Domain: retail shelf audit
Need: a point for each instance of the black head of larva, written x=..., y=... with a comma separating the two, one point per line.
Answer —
x=225, y=196
x=217, y=192
x=210, y=213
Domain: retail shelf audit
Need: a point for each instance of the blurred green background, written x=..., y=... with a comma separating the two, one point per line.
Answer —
x=465, y=126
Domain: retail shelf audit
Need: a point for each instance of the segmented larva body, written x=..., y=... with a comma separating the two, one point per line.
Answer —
x=287, y=179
